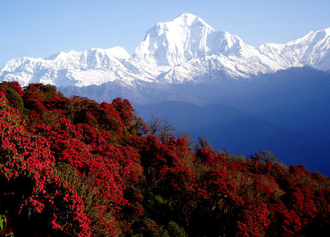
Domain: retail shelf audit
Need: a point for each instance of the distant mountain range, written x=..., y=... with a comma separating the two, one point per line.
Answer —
x=241, y=98
x=182, y=50
x=286, y=112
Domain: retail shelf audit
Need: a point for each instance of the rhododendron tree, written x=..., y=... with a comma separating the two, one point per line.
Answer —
x=252, y=219
x=76, y=167
x=30, y=188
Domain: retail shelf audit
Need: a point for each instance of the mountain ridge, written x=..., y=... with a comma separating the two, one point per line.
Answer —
x=184, y=49
x=177, y=51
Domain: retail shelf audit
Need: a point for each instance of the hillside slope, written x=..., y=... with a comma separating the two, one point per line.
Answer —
x=75, y=167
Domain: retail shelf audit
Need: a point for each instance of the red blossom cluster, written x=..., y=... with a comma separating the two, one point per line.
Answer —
x=74, y=167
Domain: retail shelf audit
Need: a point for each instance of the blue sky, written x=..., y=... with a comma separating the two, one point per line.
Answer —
x=39, y=28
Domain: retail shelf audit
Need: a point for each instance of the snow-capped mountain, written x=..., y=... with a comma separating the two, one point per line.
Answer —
x=313, y=49
x=184, y=49
x=187, y=48
x=90, y=67
x=174, y=42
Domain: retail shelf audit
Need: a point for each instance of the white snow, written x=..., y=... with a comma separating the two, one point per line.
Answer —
x=312, y=49
x=184, y=49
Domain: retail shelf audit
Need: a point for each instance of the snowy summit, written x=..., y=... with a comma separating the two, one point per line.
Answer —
x=183, y=49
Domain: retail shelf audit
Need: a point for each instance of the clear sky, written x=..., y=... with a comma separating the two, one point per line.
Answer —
x=39, y=28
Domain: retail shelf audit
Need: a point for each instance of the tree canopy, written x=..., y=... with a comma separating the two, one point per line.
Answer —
x=75, y=167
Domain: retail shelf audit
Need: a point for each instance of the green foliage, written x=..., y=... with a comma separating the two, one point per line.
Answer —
x=3, y=223
x=15, y=100
x=175, y=230
x=46, y=92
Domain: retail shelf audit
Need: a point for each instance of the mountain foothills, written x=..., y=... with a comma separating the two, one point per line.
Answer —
x=76, y=167
x=282, y=91
x=286, y=112
x=181, y=50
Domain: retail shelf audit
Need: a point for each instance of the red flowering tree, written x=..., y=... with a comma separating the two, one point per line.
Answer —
x=252, y=219
x=31, y=191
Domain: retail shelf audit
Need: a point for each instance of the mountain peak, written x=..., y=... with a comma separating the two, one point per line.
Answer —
x=326, y=31
x=183, y=49
x=186, y=15
x=174, y=42
x=118, y=52
x=312, y=49
x=188, y=19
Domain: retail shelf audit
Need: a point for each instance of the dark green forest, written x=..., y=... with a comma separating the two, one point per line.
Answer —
x=76, y=167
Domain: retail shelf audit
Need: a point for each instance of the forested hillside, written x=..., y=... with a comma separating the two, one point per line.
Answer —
x=75, y=167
